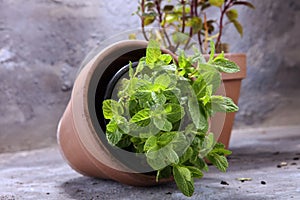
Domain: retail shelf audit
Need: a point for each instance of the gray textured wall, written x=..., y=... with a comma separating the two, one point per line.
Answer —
x=272, y=44
x=42, y=43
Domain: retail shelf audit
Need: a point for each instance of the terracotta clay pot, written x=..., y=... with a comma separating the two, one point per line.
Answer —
x=81, y=134
x=232, y=84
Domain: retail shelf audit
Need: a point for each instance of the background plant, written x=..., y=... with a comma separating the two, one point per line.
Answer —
x=163, y=111
x=190, y=18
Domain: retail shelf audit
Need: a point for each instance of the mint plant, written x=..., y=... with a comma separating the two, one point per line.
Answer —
x=163, y=111
x=190, y=18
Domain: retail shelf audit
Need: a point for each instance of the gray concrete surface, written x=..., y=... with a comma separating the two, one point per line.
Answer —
x=42, y=43
x=42, y=174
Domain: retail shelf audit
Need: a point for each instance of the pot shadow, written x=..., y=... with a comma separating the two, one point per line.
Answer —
x=91, y=188
x=86, y=188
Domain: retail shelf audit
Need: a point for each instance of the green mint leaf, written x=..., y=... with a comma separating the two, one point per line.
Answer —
x=162, y=124
x=207, y=145
x=150, y=143
x=142, y=118
x=213, y=78
x=158, y=98
x=180, y=143
x=133, y=84
x=143, y=131
x=199, y=87
x=183, y=61
x=168, y=8
x=140, y=66
x=210, y=141
x=195, y=23
x=178, y=37
x=171, y=95
x=148, y=19
x=165, y=58
x=196, y=173
x=114, y=138
x=144, y=89
x=220, y=56
x=190, y=132
x=153, y=52
x=166, y=138
x=207, y=96
x=186, y=156
x=238, y=26
x=170, y=68
x=144, y=99
x=113, y=134
x=123, y=87
x=198, y=118
x=112, y=126
x=183, y=179
x=163, y=80
x=194, y=112
x=232, y=14
x=174, y=112
x=131, y=72
x=198, y=56
x=122, y=124
x=219, y=161
x=154, y=159
x=212, y=51
x=200, y=163
x=223, y=104
x=171, y=155
x=245, y=3
x=225, y=65
x=127, y=87
x=160, y=158
x=139, y=147
x=219, y=149
x=110, y=108
x=205, y=116
x=133, y=107
x=219, y=146
x=217, y=3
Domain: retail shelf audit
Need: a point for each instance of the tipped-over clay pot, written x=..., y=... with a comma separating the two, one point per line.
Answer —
x=81, y=130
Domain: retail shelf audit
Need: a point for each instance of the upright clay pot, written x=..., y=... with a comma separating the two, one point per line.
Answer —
x=81, y=130
x=232, y=85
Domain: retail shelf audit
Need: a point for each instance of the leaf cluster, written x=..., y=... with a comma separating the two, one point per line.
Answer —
x=163, y=111
x=189, y=18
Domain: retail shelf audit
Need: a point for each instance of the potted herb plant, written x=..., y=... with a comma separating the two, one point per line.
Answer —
x=185, y=23
x=139, y=115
